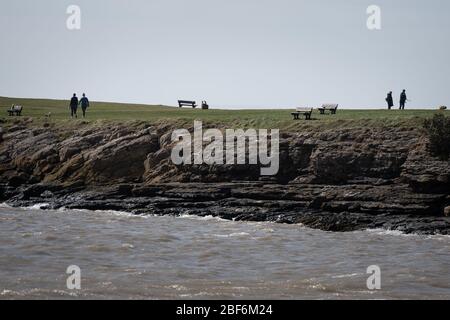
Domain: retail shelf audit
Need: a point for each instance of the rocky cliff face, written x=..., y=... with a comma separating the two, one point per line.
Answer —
x=338, y=179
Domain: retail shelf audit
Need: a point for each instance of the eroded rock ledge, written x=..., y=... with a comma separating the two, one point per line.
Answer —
x=338, y=180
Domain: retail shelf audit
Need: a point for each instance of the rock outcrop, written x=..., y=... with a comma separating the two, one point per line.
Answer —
x=339, y=180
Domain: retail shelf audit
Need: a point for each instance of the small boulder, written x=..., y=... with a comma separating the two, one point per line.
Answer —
x=47, y=194
x=447, y=211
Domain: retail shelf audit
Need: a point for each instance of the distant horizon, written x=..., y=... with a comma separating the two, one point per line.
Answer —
x=218, y=107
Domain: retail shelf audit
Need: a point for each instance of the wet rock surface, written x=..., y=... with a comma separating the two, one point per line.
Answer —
x=335, y=180
x=331, y=208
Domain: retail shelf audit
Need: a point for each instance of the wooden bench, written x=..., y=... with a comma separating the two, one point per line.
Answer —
x=15, y=110
x=205, y=106
x=328, y=107
x=181, y=103
x=304, y=111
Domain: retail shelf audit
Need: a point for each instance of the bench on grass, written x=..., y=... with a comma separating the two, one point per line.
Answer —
x=15, y=110
x=192, y=104
x=302, y=111
x=328, y=107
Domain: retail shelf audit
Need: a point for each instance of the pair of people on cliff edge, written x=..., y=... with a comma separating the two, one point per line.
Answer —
x=84, y=103
x=403, y=99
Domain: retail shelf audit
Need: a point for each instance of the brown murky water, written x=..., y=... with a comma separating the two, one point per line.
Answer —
x=123, y=256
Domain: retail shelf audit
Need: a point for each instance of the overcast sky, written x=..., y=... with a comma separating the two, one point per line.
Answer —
x=232, y=53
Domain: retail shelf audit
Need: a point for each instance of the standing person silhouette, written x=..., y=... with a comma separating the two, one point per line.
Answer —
x=390, y=100
x=73, y=105
x=403, y=99
x=84, y=102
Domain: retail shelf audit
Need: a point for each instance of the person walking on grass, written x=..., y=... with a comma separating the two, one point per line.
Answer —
x=390, y=100
x=84, y=102
x=73, y=105
x=403, y=100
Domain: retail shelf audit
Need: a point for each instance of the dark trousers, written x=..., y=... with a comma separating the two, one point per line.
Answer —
x=73, y=111
x=84, y=111
x=402, y=105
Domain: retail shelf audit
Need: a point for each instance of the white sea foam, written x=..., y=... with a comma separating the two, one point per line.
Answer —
x=103, y=212
x=350, y=275
x=388, y=232
x=37, y=206
x=234, y=234
x=177, y=287
x=115, y=213
x=37, y=292
x=200, y=218
x=397, y=233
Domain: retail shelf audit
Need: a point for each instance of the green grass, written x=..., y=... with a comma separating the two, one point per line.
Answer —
x=101, y=112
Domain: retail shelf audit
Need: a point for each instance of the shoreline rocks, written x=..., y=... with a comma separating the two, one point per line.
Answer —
x=325, y=207
x=335, y=180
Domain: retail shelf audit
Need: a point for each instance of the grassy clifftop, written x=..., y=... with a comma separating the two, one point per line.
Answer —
x=271, y=118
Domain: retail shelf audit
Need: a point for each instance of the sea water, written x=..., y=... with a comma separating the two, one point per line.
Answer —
x=163, y=257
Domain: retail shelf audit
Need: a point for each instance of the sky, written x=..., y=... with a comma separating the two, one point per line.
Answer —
x=232, y=53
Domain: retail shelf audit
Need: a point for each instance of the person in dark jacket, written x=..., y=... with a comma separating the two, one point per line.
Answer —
x=73, y=105
x=84, y=102
x=403, y=100
x=390, y=100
